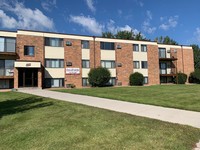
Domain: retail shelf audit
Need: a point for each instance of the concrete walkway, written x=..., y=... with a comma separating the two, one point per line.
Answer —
x=160, y=113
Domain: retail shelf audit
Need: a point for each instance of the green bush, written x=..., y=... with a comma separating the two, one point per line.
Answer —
x=195, y=76
x=136, y=79
x=182, y=78
x=99, y=77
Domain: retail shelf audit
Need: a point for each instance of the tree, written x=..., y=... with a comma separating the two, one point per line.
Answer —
x=108, y=35
x=99, y=77
x=196, y=51
x=139, y=36
x=165, y=40
x=128, y=35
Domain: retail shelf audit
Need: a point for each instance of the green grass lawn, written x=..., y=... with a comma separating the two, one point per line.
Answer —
x=175, y=96
x=28, y=122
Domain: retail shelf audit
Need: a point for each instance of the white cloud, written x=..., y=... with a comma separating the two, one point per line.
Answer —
x=169, y=23
x=48, y=5
x=114, y=29
x=90, y=4
x=89, y=23
x=146, y=26
x=6, y=21
x=26, y=18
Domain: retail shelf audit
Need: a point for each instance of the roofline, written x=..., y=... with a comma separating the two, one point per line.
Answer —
x=53, y=32
x=174, y=45
x=15, y=31
x=83, y=35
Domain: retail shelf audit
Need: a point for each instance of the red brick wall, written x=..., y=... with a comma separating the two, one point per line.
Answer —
x=125, y=57
x=27, y=40
x=38, y=43
x=185, y=60
x=16, y=78
x=73, y=54
x=178, y=55
x=188, y=61
x=153, y=64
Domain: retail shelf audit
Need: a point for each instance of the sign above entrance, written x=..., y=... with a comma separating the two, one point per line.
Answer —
x=21, y=64
x=72, y=70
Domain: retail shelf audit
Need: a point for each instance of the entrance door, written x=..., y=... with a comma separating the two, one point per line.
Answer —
x=28, y=77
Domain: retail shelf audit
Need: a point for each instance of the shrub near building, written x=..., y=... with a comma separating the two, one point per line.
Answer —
x=99, y=77
x=195, y=77
x=182, y=78
x=136, y=79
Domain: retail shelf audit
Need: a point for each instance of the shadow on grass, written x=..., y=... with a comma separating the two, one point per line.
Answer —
x=14, y=106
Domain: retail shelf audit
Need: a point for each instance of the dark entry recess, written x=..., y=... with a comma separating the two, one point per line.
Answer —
x=28, y=77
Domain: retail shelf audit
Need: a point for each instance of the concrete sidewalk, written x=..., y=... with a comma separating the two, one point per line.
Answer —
x=160, y=113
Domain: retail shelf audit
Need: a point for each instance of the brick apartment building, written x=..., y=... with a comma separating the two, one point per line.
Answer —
x=44, y=59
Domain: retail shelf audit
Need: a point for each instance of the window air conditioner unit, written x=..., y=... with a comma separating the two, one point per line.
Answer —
x=119, y=47
x=69, y=63
x=68, y=43
x=119, y=64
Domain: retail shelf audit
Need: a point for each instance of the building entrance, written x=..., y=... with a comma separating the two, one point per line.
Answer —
x=28, y=77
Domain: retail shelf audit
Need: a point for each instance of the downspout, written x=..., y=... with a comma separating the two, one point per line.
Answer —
x=182, y=58
x=94, y=51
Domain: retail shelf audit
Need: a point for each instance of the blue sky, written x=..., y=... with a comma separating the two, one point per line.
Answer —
x=178, y=19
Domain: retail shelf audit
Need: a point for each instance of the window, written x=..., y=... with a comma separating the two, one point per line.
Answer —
x=107, y=46
x=136, y=47
x=6, y=67
x=107, y=64
x=54, y=63
x=56, y=42
x=145, y=80
x=10, y=44
x=112, y=81
x=85, y=82
x=2, y=44
x=144, y=65
x=85, y=64
x=169, y=65
x=144, y=48
x=4, y=84
x=9, y=67
x=85, y=44
x=29, y=50
x=7, y=44
x=136, y=64
x=54, y=82
x=162, y=53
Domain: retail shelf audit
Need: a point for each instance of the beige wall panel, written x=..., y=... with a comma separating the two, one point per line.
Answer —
x=54, y=52
x=107, y=54
x=142, y=71
x=86, y=54
x=113, y=72
x=85, y=72
x=140, y=56
x=54, y=73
